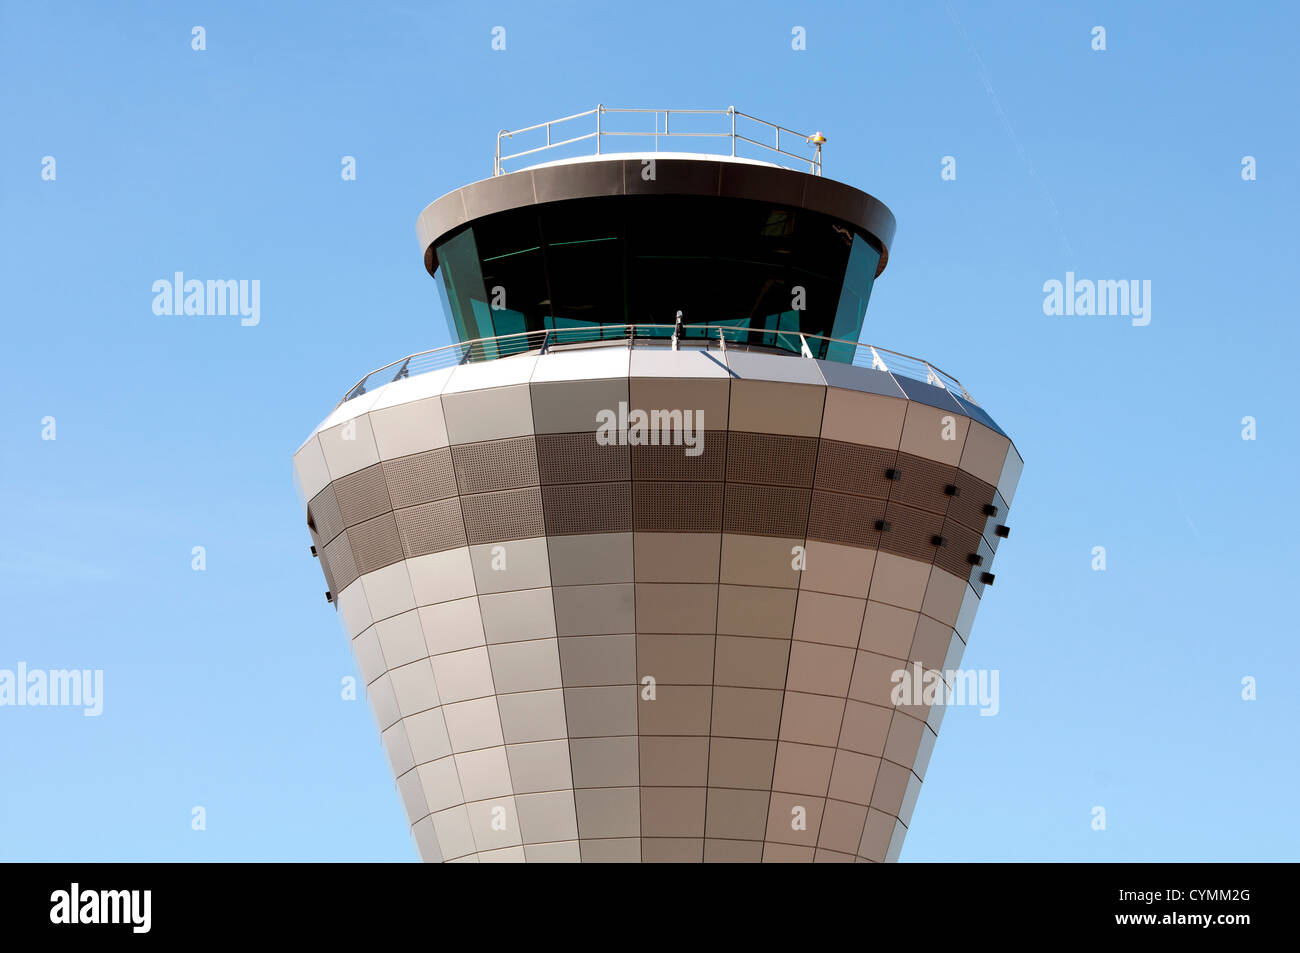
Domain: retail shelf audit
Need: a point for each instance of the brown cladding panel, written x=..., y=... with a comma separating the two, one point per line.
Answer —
x=677, y=507
x=323, y=513
x=420, y=477
x=431, y=527
x=976, y=572
x=766, y=510
x=961, y=542
x=583, y=508
x=578, y=458
x=673, y=463
x=325, y=568
x=921, y=483
x=495, y=464
x=362, y=495
x=504, y=515
x=967, y=507
x=772, y=459
x=911, y=532
x=999, y=517
x=375, y=543
x=849, y=520
x=342, y=564
x=855, y=469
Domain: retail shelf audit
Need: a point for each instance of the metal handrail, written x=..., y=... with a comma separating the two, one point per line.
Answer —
x=815, y=140
x=552, y=339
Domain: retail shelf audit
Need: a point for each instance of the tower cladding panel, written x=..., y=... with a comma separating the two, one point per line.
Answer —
x=643, y=595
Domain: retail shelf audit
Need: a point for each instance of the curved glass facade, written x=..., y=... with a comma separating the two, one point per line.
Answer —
x=640, y=259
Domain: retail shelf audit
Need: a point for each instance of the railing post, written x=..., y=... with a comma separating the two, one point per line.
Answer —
x=600, y=108
x=732, y=110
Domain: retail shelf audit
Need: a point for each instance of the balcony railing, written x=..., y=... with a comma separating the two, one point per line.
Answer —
x=695, y=336
x=663, y=129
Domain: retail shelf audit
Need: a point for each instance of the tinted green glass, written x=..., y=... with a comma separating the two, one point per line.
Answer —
x=462, y=280
x=852, y=308
x=765, y=272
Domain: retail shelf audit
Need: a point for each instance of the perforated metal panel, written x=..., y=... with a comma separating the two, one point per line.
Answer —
x=323, y=513
x=575, y=509
x=342, y=564
x=673, y=463
x=772, y=459
x=578, y=458
x=507, y=514
x=362, y=495
x=420, y=477
x=775, y=464
x=375, y=543
x=854, y=469
x=677, y=507
x=977, y=571
x=921, y=483
x=968, y=507
x=850, y=520
x=766, y=510
x=991, y=523
x=962, y=541
x=431, y=527
x=911, y=531
x=325, y=568
x=495, y=464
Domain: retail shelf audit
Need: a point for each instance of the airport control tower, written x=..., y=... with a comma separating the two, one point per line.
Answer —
x=631, y=568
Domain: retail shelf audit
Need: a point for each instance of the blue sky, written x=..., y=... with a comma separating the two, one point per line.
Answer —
x=1119, y=689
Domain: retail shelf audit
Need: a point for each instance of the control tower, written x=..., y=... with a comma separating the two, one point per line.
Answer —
x=641, y=566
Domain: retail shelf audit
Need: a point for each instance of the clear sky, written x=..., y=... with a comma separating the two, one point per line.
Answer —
x=1119, y=688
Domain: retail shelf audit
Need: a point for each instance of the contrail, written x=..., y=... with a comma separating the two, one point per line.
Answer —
x=1006, y=124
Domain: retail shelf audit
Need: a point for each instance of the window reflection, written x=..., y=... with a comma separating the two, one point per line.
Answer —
x=601, y=262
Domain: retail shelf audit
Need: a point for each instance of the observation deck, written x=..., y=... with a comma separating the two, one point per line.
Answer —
x=732, y=240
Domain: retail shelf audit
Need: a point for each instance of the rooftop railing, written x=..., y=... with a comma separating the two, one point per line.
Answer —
x=736, y=133
x=694, y=336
